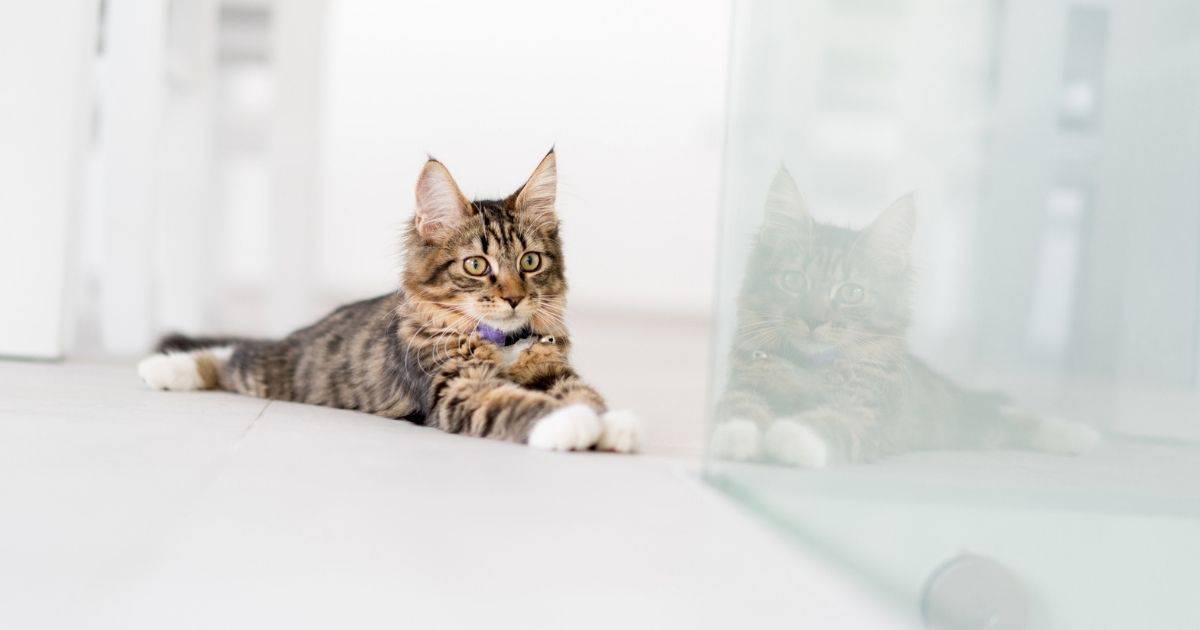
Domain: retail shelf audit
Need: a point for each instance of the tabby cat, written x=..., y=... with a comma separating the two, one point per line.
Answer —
x=473, y=342
x=820, y=368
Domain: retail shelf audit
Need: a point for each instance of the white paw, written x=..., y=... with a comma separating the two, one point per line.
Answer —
x=1064, y=437
x=735, y=439
x=621, y=431
x=789, y=442
x=175, y=372
x=575, y=427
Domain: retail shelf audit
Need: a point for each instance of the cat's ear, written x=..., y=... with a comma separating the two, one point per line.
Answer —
x=537, y=197
x=887, y=242
x=441, y=206
x=786, y=208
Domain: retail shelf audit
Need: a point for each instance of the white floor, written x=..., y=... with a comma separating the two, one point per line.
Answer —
x=128, y=508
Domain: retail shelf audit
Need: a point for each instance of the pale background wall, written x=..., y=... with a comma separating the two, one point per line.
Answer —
x=42, y=125
x=254, y=160
x=632, y=95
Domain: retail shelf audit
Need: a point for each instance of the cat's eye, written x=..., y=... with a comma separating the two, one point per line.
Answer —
x=531, y=261
x=793, y=281
x=758, y=354
x=475, y=265
x=851, y=293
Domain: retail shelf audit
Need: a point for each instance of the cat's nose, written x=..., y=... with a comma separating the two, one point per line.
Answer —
x=510, y=290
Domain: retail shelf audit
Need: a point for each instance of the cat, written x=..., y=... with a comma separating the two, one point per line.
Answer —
x=820, y=370
x=473, y=341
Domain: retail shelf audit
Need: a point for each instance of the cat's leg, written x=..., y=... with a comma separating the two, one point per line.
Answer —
x=185, y=370
x=498, y=409
x=821, y=436
x=742, y=415
x=266, y=369
x=253, y=367
x=824, y=435
x=544, y=367
x=471, y=395
x=1025, y=429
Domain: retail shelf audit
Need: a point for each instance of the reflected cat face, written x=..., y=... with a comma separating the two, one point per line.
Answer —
x=815, y=291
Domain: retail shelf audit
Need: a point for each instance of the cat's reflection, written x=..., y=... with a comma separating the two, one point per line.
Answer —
x=820, y=367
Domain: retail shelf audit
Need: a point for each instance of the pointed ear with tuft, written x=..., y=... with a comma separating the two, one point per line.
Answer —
x=887, y=242
x=537, y=197
x=441, y=206
x=785, y=206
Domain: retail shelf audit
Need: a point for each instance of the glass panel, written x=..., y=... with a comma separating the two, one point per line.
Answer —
x=957, y=341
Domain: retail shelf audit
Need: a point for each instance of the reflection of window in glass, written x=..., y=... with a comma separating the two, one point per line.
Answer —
x=243, y=33
x=859, y=63
x=1056, y=273
x=857, y=80
x=1083, y=67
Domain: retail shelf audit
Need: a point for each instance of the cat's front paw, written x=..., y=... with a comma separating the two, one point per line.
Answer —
x=736, y=439
x=621, y=432
x=571, y=428
x=796, y=444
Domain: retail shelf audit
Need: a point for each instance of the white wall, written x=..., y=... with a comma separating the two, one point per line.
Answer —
x=129, y=141
x=631, y=94
x=44, y=54
x=254, y=161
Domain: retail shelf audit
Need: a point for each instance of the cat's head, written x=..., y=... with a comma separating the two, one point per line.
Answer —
x=497, y=262
x=815, y=291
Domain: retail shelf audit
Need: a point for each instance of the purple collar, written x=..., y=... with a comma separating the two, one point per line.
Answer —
x=824, y=357
x=817, y=359
x=499, y=337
